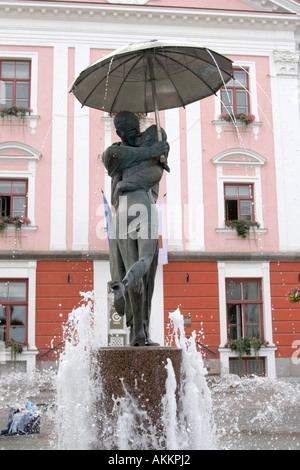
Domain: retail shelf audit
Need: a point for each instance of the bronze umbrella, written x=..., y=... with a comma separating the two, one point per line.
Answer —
x=152, y=76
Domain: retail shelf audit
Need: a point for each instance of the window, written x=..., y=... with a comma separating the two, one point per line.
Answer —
x=15, y=83
x=239, y=202
x=13, y=311
x=235, y=96
x=247, y=366
x=244, y=309
x=13, y=198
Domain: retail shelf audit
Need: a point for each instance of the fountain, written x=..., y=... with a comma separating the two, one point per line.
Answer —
x=102, y=404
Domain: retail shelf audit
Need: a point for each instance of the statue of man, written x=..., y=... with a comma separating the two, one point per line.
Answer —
x=135, y=168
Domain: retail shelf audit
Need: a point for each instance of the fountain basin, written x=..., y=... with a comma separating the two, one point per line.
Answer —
x=138, y=371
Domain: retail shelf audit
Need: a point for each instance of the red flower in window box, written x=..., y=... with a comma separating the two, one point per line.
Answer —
x=294, y=295
x=17, y=221
x=246, y=118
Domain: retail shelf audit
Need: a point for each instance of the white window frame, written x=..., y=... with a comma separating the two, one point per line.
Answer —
x=22, y=153
x=251, y=68
x=247, y=270
x=255, y=125
x=23, y=270
x=239, y=158
x=33, y=57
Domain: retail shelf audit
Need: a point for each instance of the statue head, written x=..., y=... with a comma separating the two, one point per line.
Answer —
x=127, y=127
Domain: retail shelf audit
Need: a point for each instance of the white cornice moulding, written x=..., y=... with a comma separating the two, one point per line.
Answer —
x=117, y=12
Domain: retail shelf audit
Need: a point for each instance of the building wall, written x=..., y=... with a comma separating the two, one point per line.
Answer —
x=285, y=315
x=58, y=288
x=193, y=289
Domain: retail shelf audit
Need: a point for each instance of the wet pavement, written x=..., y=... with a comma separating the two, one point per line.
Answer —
x=249, y=413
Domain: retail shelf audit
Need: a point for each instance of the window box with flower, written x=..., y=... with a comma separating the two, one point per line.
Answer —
x=242, y=227
x=15, y=112
x=294, y=295
x=18, y=222
x=242, y=117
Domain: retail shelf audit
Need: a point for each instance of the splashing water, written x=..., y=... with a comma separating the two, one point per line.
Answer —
x=75, y=388
x=249, y=413
x=195, y=428
x=186, y=423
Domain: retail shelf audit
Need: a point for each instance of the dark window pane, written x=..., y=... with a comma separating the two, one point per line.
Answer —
x=19, y=206
x=231, y=191
x=17, y=291
x=233, y=332
x=17, y=334
x=241, y=98
x=245, y=210
x=245, y=217
x=253, y=331
x=240, y=78
x=3, y=291
x=245, y=191
x=251, y=291
x=231, y=209
x=8, y=70
x=22, y=94
x=22, y=70
x=2, y=333
x=226, y=97
x=2, y=315
x=5, y=187
x=237, y=367
x=5, y=206
x=234, y=291
x=18, y=315
x=233, y=314
x=6, y=94
x=18, y=187
x=255, y=367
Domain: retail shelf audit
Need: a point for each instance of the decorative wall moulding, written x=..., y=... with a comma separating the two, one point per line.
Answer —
x=286, y=62
x=120, y=9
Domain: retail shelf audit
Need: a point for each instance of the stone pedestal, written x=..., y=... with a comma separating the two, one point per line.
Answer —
x=142, y=371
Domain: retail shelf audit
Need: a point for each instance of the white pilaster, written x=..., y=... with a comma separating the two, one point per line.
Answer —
x=174, y=208
x=287, y=146
x=195, y=180
x=81, y=161
x=59, y=149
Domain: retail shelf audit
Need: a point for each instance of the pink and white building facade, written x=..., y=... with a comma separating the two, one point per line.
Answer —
x=226, y=286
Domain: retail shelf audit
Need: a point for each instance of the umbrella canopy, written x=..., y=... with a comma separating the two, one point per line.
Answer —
x=152, y=76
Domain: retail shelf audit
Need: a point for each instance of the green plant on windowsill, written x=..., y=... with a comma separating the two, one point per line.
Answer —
x=18, y=222
x=242, y=227
x=243, y=346
x=14, y=111
x=15, y=348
